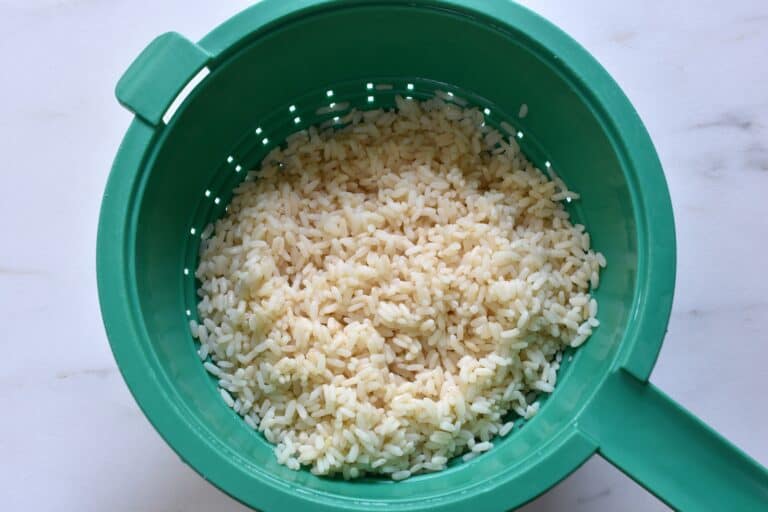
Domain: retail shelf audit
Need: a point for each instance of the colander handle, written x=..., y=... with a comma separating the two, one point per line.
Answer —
x=671, y=452
x=157, y=76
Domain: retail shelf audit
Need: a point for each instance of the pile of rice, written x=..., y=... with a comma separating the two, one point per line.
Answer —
x=379, y=298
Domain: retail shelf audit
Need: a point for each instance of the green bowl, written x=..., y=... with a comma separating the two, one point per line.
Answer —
x=280, y=66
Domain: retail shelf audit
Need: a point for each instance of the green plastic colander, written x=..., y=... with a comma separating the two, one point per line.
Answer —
x=206, y=112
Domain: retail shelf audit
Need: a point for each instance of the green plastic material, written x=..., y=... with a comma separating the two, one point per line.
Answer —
x=157, y=75
x=169, y=181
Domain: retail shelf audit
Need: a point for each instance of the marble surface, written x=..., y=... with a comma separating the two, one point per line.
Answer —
x=72, y=437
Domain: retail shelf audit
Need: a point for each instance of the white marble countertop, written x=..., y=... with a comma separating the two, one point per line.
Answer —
x=72, y=437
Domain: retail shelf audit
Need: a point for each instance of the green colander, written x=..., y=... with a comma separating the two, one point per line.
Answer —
x=206, y=112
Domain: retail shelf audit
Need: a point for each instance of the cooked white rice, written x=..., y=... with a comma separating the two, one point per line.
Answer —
x=379, y=298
